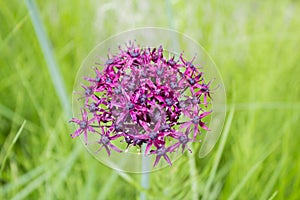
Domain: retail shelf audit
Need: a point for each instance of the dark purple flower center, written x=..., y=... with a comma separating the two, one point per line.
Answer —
x=173, y=85
x=189, y=64
x=131, y=86
x=98, y=78
x=157, y=116
x=161, y=151
x=191, y=81
x=110, y=61
x=142, y=98
x=165, y=127
x=128, y=140
x=153, y=135
x=144, y=73
x=83, y=124
x=88, y=91
x=169, y=102
x=93, y=107
x=138, y=142
x=182, y=104
x=183, y=139
x=171, y=62
x=204, y=88
x=129, y=106
x=118, y=127
x=134, y=54
x=159, y=72
x=117, y=90
x=108, y=80
x=196, y=120
x=195, y=100
x=104, y=140
x=154, y=57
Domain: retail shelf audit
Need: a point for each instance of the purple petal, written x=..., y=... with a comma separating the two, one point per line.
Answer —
x=142, y=136
x=197, y=85
x=148, y=147
x=166, y=157
x=204, y=114
x=99, y=149
x=157, y=125
x=76, y=133
x=116, y=136
x=92, y=120
x=183, y=147
x=115, y=148
x=91, y=129
x=196, y=111
x=133, y=116
x=102, y=129
x=205, y=100
x=85, y=137
x=173, y=147
x=196, y=129
x=84, y=115
x=160, y=98
x=75, y=120
x=202, y=124
x=188, y=114
x=126, y=95
x=156, y=160
x=107, y=150
x=122, y=116
x=145, y=126
x=84, y=87
x=186, y=124
x=118, y=105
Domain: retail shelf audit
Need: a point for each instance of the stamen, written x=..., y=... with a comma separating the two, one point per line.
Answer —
x=83, y=124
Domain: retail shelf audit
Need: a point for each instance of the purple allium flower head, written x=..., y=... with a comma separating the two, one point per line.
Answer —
x=141, y=98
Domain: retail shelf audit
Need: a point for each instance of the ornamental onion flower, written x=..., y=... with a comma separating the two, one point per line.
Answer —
x=142, y=97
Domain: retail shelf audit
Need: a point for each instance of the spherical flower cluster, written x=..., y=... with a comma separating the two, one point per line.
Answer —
x=143, y=98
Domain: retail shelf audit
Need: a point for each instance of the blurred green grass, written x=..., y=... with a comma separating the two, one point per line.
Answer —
x=255, y=45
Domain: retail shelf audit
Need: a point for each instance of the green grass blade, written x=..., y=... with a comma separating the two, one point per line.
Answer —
x=49, y=57
x=269, y=186
x=193, y=176
x=219, y=154
x=243, y=182
x=37, y=182
x=24, y=179
x=107, y=187
x=273, y=195
x=9, y=114
x=69, y=163
x=17, y=28
x=11, y=145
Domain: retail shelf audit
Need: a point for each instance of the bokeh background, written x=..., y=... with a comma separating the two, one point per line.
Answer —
x=255, y=45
